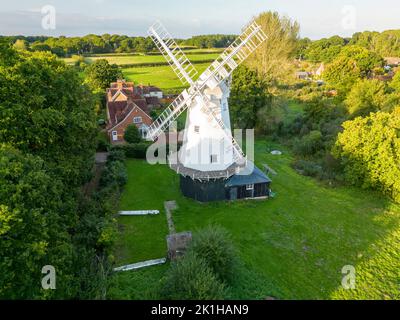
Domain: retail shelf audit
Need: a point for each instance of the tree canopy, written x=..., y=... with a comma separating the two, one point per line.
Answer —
x=248, y=96
x=47, y=144
x=272, y=59
x=353, y=63
x=366, y=96
x=369, y=149
x=101, y=73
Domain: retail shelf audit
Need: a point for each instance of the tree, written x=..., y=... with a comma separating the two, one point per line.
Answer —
x=272, y=60
x=353, y=63
x=40, y=47
x=31, y=227
x=58, y=125
x=132, y=134
x=395, y=83
x=47, y=144
x=366, y=96
x=21, y=44
x=100, y=74
x=324, y=50
x=369, y=150
x=248, y=96
x=309, y=144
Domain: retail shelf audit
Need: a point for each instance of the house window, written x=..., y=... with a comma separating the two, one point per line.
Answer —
x=249, y=186
x=213, y=158
x=143, y=132
x=137, y=120
x=114, y=135
x=196, y=129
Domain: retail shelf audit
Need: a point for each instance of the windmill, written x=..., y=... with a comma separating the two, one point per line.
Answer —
x=209, y=156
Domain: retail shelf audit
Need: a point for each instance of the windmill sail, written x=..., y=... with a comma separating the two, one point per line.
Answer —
x=170, y=114
x=251, y=38
x=172, y=53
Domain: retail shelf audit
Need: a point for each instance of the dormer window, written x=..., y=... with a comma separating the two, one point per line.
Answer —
x=137, y=120
x=197, y=129
x=214, y=158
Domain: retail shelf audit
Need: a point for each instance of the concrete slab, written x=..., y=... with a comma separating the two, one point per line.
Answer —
x=138, y=212
x=140, y=265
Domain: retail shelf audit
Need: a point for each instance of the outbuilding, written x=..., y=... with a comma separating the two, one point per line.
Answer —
x=249, y=183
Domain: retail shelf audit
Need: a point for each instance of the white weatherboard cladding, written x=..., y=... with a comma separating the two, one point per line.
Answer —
x=206, y=146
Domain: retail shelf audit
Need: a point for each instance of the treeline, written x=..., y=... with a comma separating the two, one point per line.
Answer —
x=209, y=41
x=385, y=44
x=47, y=216
x=90, y=44
x=95, y=44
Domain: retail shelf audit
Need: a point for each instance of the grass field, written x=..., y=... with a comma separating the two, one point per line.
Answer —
x=291, y=247
x=136, y=59
x=162, y=76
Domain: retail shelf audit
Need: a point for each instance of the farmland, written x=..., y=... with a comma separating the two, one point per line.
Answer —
x=161, y=76
x=147, y=59
x=153, y=69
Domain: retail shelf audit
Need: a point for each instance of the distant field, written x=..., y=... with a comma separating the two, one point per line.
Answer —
x=133, y=59
x=161, y=76
x=194, y=55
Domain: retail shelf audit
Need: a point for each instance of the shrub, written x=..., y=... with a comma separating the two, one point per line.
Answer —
x=102, y=143
x=114, y=172
x=308, y=168
x=136, y=150
x=116, y=155
x=191, y=279
x=132, y=134
x=213, y=244
x=309, y=144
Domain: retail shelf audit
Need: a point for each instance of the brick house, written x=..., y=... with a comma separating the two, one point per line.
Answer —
x=125, y=106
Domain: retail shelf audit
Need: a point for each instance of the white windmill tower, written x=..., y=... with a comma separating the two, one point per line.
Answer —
x=209, y=155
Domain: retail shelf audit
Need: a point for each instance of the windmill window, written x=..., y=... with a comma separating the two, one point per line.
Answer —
x=214, y=158
x=137, y=120
x=197, y=129
x=249, y=186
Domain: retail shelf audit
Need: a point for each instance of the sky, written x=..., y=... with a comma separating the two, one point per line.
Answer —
x=185, y=18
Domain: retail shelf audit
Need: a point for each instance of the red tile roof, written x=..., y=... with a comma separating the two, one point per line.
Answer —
x=118, y=110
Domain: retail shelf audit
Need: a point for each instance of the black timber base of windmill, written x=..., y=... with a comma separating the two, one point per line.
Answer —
x=252, y=184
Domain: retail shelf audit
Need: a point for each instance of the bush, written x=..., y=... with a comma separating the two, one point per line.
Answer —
x=132, y=134
x=213, y=244
x=191, y=279
x=102, y=143
x=116, y=155
x=308, y=168
x=308, y=144
x=114, y=172
x=136, y=150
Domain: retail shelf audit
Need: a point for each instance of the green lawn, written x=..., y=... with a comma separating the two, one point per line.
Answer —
x=162, y=76
x=291, y=247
